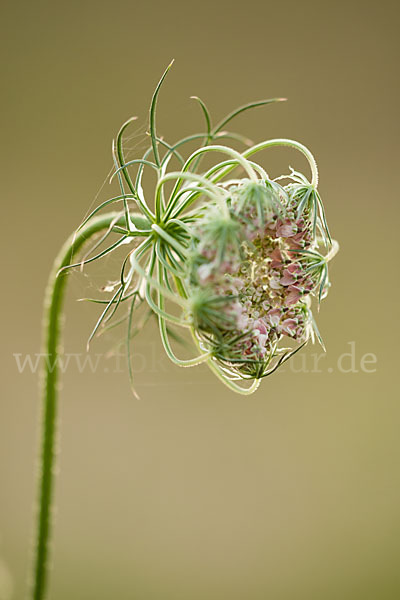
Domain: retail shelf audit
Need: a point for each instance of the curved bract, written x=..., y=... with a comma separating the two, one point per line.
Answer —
x=227, y=252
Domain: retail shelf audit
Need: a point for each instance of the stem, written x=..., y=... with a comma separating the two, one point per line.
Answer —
x=333, y=251
x=270, y=144
x=292, y=144
x=53, y=305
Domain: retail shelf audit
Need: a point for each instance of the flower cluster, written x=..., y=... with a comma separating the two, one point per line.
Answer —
x=234, y=261
x=251, y=263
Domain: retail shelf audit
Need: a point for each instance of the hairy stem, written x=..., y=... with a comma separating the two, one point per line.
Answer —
x=291, y=144
x=53, y=305
x=276, y=143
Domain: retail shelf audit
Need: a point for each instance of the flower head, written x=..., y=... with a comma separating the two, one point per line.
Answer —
x=235, y=261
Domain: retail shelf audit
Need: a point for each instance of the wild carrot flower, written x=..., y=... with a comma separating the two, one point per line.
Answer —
x=236, y=262
x=241, y=259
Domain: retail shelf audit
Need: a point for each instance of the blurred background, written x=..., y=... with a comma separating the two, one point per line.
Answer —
x=193, y=492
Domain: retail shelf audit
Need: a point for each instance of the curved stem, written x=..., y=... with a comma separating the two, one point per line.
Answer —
x=240, y=158
x=277, y=142
x=49, y=392
x=231, y=384
x=209, y=188
x=333, y=251
x=191, y=362
x=291, y=144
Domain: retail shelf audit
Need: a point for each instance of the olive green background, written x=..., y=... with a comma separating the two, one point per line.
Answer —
x=194, y=492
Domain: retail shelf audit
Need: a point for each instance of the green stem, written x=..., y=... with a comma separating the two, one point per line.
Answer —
x=49, y=391
x=291, y=144
x=270, y=144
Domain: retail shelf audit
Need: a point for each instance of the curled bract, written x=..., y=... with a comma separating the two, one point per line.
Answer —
x=236, y=261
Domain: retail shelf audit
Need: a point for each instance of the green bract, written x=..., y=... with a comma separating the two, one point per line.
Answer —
x=234, y=260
